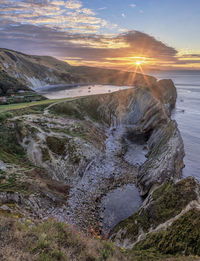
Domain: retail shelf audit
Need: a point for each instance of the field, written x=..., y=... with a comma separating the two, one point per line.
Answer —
x=18, y=106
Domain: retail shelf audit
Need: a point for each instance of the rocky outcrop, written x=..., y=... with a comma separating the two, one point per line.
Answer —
x=164, y=159
x=145, y=114
x=138, y=112
x=166, y=222
x=96, y=143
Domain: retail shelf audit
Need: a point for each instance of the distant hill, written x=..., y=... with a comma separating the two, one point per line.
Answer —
x=110, y=76
x=37, y=71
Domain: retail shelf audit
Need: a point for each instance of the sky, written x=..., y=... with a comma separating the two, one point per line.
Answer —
x=152, y=34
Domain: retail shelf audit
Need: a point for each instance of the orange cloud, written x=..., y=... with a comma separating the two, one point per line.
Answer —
x=69, y=31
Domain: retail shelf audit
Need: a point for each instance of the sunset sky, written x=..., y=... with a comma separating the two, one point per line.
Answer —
x=158, y=34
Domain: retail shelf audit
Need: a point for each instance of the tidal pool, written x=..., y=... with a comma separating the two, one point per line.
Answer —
x=118, y=205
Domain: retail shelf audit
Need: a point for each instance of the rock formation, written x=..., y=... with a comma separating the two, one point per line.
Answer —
x=61, y=160
x=93, y=145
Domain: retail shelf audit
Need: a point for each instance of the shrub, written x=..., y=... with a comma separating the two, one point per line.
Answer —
x=5, y=115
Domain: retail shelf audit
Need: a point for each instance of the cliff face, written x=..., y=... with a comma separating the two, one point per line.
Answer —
x=139, y=114
x=145, y=114
x=60, y=161
x=39, y=71
x=94, y=144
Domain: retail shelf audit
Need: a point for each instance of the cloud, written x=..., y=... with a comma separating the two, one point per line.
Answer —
x=102, y=8
x=88, y=11
x=73, y=4
x=59, y=3
x=59, y=14
x=133, y=5
x=114, y=51
x=70, y=31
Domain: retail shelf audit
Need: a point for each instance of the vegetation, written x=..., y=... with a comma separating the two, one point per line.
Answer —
x=10, y=150
x=5, y=115
x=9, y=84
x=56, y=241
x=45, y=154
x=167, y=202
x=29, y=105
x=51, y=241
x=91, y=106
x=183, y=236
x=76, y=131
x=57, y=145
x=10, y=182
x=79, y=109
x=68, y=109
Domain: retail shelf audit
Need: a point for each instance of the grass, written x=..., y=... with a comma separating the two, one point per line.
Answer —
x=52, y=241
x=18, y=106
x=56, y=241
x=183, y=236
x=74, y=131
x=168, y=201
x=45, y=154
x=11, y=183
x=79, y=108
x=10, y=150
x=60, y=146
x=69, y=109
x=5, y=115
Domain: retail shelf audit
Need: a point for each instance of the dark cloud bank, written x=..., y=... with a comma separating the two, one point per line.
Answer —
x=92, y=47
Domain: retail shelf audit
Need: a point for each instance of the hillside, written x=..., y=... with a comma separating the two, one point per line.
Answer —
x=10, y=84
x=38, y=71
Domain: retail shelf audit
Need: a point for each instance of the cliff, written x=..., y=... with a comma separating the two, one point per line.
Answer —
x=60, y=160
x=85, y=143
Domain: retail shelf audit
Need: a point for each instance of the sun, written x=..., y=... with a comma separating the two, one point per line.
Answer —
x=138, y=63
